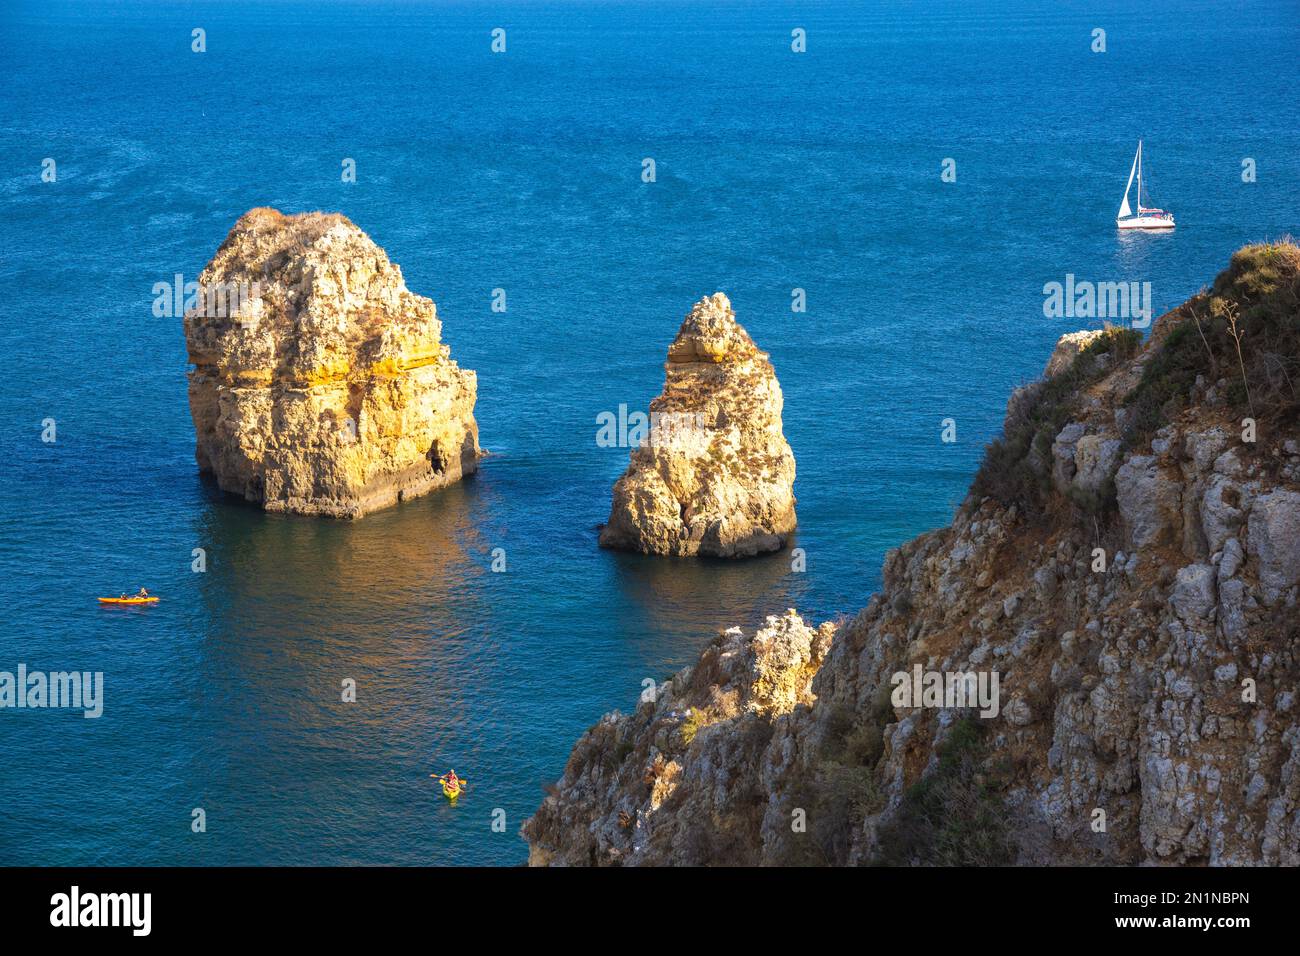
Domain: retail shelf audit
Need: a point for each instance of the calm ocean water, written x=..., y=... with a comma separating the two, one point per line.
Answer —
x=522, y=171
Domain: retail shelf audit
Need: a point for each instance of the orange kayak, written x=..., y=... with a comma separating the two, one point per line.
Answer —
x=130, y=600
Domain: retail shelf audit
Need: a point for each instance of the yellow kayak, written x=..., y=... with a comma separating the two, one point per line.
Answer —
x=130, y=600
x=449, y=792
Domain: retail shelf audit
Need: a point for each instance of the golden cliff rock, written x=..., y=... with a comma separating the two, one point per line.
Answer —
x=320, y=383
x=715, y=476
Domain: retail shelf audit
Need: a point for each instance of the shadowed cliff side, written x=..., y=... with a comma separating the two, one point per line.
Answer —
x=1127, y=565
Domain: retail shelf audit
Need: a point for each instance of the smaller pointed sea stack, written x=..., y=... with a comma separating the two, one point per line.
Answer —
x=715, y=476
x=320, y=383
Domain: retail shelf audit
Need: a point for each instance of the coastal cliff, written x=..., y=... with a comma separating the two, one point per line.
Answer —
x=1122, y=577
x=320, y=384
x=715, y=475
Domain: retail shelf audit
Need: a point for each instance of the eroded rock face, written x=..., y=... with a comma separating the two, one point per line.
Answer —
x=1157, y=684
x=328, y=392
x=1121, y=690
x=1149, y=500
x=1274, y=540
x=679, y=780
x=715, y=476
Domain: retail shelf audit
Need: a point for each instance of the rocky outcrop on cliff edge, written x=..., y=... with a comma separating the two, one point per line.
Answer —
x=1127, y=565
x=320, y=383
x=715, y=475
x=649, y=787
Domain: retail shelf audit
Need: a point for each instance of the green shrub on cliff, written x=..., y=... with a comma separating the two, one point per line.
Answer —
x=840, y=788
x=1016, y=467
x=690, y=726
x=1245, y=329
x=834, y=798
x=955, y=815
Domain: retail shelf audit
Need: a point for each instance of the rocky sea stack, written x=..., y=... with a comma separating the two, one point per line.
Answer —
x=325, y=389
x=1126, y=566
x=715, y=476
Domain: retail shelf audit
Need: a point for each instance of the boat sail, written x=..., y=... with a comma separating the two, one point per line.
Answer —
x=1147, y=217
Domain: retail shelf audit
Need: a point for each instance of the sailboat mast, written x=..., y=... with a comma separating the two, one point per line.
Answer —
x=1139, y=177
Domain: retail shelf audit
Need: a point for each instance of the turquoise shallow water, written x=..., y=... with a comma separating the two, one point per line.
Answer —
x=522, y=171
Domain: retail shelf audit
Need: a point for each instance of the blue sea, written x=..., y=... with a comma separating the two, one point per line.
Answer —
x=522, y=170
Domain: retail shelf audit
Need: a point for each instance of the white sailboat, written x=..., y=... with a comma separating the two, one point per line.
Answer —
x=1146, y=218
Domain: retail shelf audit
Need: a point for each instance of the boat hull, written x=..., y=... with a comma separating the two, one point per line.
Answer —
x=1144, y=222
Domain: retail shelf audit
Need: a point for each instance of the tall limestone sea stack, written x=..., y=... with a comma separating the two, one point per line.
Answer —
x=1126, y=565
x=326, y=390
x=715, y=476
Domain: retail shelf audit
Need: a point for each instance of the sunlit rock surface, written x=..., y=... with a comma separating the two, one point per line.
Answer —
x=716, y=475
x=328, y=391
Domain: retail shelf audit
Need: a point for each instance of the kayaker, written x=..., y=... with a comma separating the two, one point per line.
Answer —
x=450, y=779
x=144, y=593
